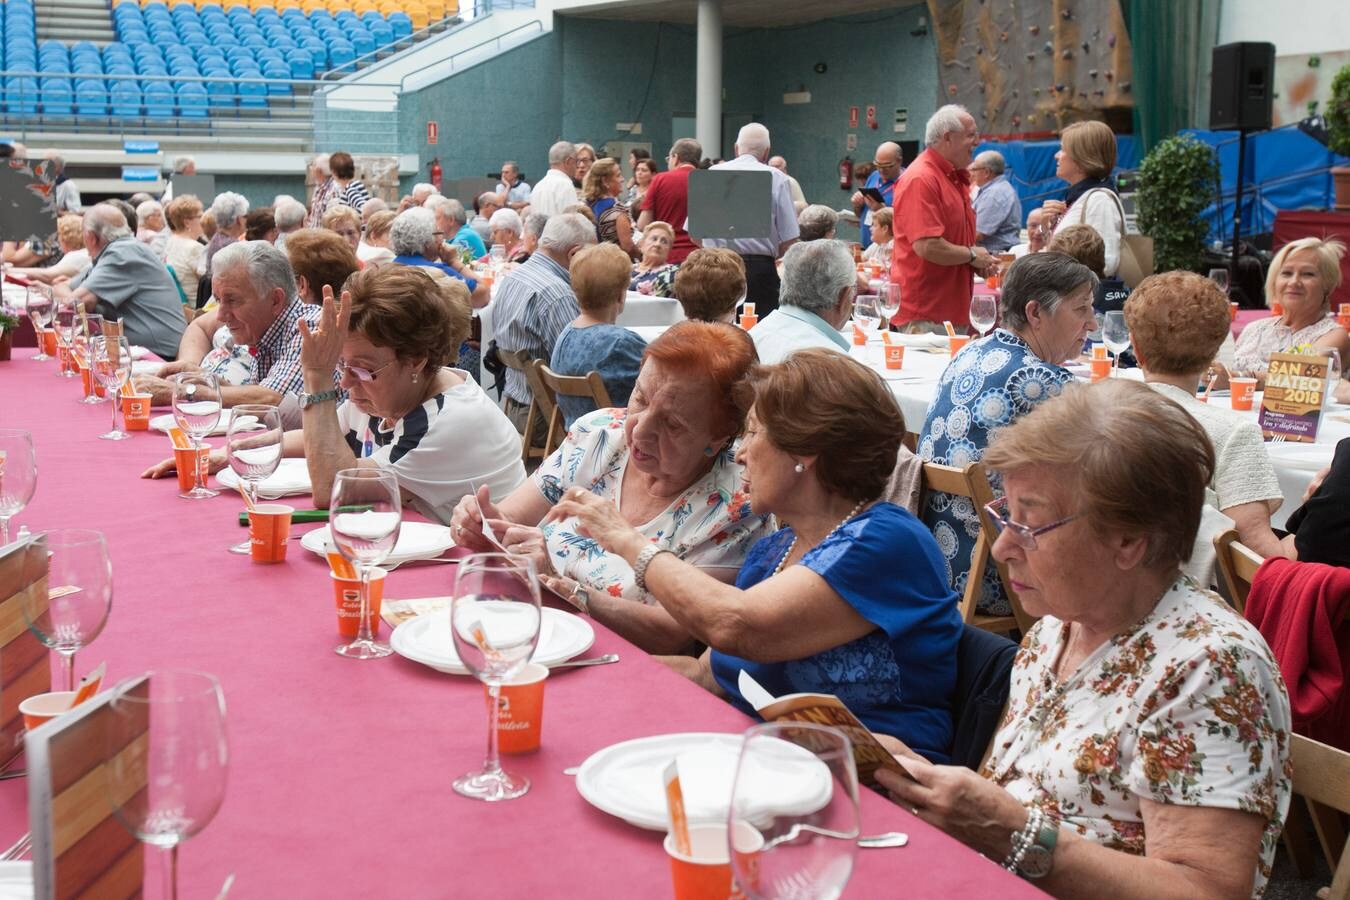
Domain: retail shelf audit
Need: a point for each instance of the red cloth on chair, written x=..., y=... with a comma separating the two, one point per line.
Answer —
x=1301, y=610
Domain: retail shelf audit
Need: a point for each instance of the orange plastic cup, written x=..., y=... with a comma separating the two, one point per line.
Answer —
x=136, y=411
x=41, y=708
x=182, y=460
x=1232, y=311
x=958, y=341
x=67, y=361
x=1343, y=315
x=49, y=342
x=705, y=872
x=520, y=710
x=1099, y=351
x=269, y=526
x=347, y=596
x=859, y=337
x=1243, y=392
x=749, y=320
x=895, y=356
x=86, y=377
x=1101, y=368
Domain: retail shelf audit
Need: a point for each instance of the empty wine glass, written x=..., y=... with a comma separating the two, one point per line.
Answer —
x=983, y=312
x=38, y=302
x=79, y=594
x=196, y=410
x=167, y=759
x=803, y=848
x=865, y=314
x=18, y=476
x=66, y=324
x=110, y=359
x=494, y=621
x=1220, y=277
x=365, y=514
x=497, y=257
x=253, y=449
x=1116, y=336
x=888, y=300
x=89, y=327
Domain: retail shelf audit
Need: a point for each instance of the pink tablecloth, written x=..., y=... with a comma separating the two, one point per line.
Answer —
x=340, y=770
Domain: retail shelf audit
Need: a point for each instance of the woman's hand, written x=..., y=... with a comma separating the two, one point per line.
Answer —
x=166, y=467
x=522, y=540
x=1052, y=209
x=466, y=523
x=321, y=348
x=970, y=808
x=569, y=589
x=600, y=520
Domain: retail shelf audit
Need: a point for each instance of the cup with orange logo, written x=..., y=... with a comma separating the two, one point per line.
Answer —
x=347, y=596
x=42, y=708
x=1243, y=392
x=269, y=525
x=1277, y=308
x=1101, y=368
x=1343, y=315
x=895, y=356
x=958, y=341
x=520, y=710
x=1099, y=351
x=136, y=411
x=49, y=341
x=704, y=873
x=182, y=460
x=749, y=320
x=1232, y=310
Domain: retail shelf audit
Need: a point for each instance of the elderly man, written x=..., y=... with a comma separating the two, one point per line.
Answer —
x=816, y=222
x=453, y=223
x=535, y=302
x=667, y=197
x=886, y=171
x=417, y=240
x=513, y=187
x=420, y=192
x=251, y=341
x=289, y=216
x=532, y=229
x=818, y=290
x=67, y=194
x=761, y=254
x=326, y=189
x=798, y=198
x=934, y=256
x=1035, y=241
x=484, y=206
x=127, y=282
x=182, y=165
x=998, y=211
x=556, y=191
x=372, y=206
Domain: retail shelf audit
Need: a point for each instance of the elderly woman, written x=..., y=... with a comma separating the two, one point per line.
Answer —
x=652, y=274
x=529, y=239
x=882, y=235
x=74, y=258
x=260, y=225
x=666, y=461
x=1046, y=312
x=604, y=183
x=228, y=211
x=849, y=599
x=184, y=253
x=1302, y=277
x=592, y=342
x=375, y=248
x=1178, y=321
x=320, y=259
x=710, y=284
x=1086, y=157
x=1145, y=748
x=150, y=224
x=816, y=222
x=345, y=222
x=505, y=229
x=415, y=240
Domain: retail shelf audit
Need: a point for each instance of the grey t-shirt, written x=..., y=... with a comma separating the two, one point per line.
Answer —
x=134, y=286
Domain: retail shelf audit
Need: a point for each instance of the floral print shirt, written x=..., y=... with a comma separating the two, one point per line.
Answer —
x=710, y=524
x=1185, y=707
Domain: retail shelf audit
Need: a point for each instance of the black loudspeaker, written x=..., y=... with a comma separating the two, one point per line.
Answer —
x=1242, y=87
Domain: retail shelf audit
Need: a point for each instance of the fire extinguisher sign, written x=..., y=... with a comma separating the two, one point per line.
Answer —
x=433, y=132
x=853, y=117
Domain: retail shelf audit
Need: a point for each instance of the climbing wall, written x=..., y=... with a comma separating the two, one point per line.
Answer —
x=1029, y=66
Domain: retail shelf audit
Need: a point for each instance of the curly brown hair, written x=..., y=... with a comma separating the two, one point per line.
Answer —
x=321, y=258
x=1178, y=321
x=402, y=308
x=709, y=283
x=1084, y=244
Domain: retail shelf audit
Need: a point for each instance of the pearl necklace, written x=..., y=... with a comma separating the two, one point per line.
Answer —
x=793, y=546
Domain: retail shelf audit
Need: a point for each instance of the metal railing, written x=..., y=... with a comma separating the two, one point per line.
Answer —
x=440, y=26
x=533, y=25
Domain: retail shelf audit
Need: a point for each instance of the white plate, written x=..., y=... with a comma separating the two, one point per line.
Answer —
x=291, y=479
x=1313, y=457
x=139, y=352
x=416, y=540
x=625, y=780
x=427, y=640
x=146, y=366
x=165, y=422
x=16, y=880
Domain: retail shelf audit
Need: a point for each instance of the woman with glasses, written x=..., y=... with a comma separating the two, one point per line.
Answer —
x=1145, y=747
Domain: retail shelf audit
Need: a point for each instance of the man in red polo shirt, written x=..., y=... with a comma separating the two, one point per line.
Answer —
x=667, y=197
x=935, y=257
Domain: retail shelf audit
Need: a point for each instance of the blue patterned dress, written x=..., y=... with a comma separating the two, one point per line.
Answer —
x=989, y=384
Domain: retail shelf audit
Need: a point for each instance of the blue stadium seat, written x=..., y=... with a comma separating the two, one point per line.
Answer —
x=362, y=42
x=192, y=100
x=159, y=100
x=125, y=99
x=252, y=95
x=221, y=94
x=21, y=96
x=301, y=64
x=57, y=97
x=382, y=32
x=91, y=98
x=401, y=24
x=340, y=54
x=318, y=52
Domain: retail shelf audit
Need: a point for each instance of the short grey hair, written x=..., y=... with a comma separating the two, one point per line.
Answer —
x=488, y=197
x=559, y=152
x=452, y=209
x=412, y=231
x=509, y=219
x=148, y=208
x=181, y=163
x=687, y=150
x=267, y=266
x=282, y=198
x=426, y=190
x=371, y=207
x=320, y=164
x=106, y=222
x=753, y=138
x=816, y=221
x=228, y=208
x=1044, y=277
x=946, y=119
x=566, y=231
x=814, y=273
x=534, y=224
x=991, y=161
x=432, y=200
x=288, y=214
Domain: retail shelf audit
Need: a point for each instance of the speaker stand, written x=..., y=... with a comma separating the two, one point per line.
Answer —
x=1237, y=211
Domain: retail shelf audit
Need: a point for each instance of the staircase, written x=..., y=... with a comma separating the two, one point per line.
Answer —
x=74, y=20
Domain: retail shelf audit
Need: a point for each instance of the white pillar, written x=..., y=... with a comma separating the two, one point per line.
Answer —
x=708, y=85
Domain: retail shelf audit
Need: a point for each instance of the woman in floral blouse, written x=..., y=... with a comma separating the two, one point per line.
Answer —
x=1302, y=278
x=666, y=461
x=1148, y=728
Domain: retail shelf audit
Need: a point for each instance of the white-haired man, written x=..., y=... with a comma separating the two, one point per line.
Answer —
x=934, y=256
x=761, y=254
x=998, y=210
x=556, y=191
x=289, y=216
x=515, y=189
x=483, y=208
x=182, y=165
x=325, y=189
x=819, y=285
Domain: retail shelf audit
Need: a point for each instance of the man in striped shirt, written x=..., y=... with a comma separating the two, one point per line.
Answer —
x=325, y=190
x=535, y=302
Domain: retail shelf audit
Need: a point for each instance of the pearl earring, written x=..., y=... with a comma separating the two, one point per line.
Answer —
x=799, y=468
x=414, y=378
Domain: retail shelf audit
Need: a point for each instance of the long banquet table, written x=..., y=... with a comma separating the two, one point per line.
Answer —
x=340, y=771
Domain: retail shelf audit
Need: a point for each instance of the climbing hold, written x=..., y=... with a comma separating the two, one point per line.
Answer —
x=1092, y=73
x=1034, y=29
x=1048, y=49
x=1111, y=40
x=1066, y=53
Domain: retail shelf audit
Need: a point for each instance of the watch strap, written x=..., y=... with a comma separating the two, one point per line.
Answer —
x=308, y=400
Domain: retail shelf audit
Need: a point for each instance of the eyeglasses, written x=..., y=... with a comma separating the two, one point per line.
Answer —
x=1024, y=536
x=360, y=374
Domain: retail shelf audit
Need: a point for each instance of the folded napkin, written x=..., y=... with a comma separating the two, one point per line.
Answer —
x=289, y=480
x=16, y=880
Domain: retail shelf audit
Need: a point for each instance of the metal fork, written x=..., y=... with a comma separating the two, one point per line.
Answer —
x=1277, y=438
x=20, y=848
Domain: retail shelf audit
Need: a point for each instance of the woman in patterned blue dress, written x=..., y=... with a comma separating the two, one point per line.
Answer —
x=849, y=598
x=1045, y=315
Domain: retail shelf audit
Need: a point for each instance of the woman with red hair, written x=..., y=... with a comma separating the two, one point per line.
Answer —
x=667, y=462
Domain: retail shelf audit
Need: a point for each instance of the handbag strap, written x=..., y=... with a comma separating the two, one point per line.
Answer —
x=1120, y=207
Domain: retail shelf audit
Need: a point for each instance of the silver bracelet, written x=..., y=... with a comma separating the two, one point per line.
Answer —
x=644, y=559
x=1024, y=838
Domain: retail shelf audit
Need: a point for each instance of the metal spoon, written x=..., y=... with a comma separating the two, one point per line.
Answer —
x=595, y=661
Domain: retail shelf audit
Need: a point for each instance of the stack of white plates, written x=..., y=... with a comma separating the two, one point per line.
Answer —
x=416, y=540
x=291, y=479
x=165, y=422
x=427, y=640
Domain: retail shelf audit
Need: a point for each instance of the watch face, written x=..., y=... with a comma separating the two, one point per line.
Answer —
x=1036, y=862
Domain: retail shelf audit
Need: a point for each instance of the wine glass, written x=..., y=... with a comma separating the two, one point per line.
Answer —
x=90, y=327
x=497, y=257
x=1333, y=372
x=66, y=325
x=781, y=850
x=79, y=593
x=167, y=758
x=1116, y=336
x=110, y=360
x=253, y=449
x=1047, y=227
x=18, y=476
x=1220, y=277
x=865, y=314
x=494, y=621
x=983, y=312
x=196, y=410
x=365, y=514
x=39, y=305
x=888, y=300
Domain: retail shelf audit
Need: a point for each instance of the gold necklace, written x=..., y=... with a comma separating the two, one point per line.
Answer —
x=793, y=546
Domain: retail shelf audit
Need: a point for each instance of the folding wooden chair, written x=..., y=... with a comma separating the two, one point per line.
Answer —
x=521, y=362
x=1237, y=566
x=1322, y=779
x=588, y=385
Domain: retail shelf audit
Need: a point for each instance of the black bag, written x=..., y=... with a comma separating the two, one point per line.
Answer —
x=494, y=367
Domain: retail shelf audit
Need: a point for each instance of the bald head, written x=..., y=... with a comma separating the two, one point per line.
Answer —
x=778, y=163
x=888, y=160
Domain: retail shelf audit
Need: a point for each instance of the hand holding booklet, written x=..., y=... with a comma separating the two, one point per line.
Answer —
x=825, y=709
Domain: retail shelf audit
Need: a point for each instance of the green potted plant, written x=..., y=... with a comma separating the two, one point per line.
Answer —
x=8, y=323
x=1338, y=133
x=1177, y=181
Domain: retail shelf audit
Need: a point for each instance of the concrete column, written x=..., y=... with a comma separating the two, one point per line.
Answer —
x=708, y=84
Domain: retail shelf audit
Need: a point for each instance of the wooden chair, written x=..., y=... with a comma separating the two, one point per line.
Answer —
x=972, y=483
x=1237, y=565
x=588, y=385
x=1322, y=779
x=545, y=402
x=521, y=362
